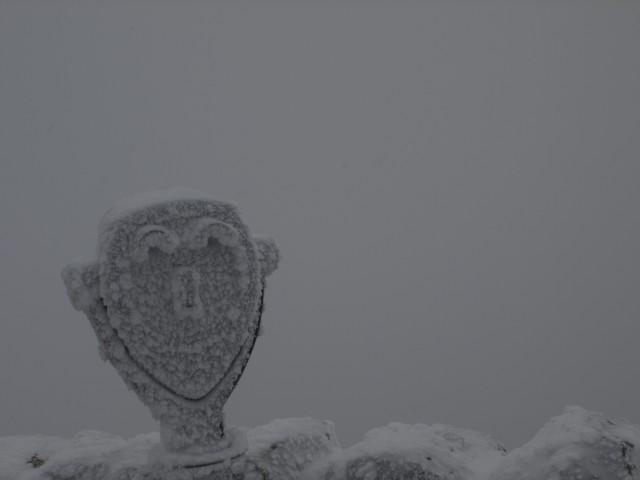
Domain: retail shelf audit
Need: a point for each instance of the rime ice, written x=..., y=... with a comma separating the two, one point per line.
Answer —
x=578, y=445
x=174, y=297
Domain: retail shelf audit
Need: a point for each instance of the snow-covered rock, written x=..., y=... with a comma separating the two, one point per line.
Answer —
x=279, y=450
x=282, y=449
x=399, y=451
x=577, y=445
x=21, y=454
x=90, y=455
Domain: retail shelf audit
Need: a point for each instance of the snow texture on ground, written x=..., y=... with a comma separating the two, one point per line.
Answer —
x=283, y=449
x=577, y=445
x=399, y=451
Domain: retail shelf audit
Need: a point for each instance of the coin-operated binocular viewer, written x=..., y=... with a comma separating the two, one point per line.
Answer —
x=175, y=298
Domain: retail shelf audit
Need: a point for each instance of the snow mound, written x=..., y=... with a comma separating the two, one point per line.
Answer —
x=21, y=454
x=577, y=445
x=420, y=452
x=283, y=448
x=279, y=450
x=144, y=200
x=90, y=455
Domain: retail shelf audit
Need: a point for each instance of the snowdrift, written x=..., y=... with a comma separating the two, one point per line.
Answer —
x=577, y=445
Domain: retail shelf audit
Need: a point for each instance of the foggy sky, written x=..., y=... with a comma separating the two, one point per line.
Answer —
x=453, y=187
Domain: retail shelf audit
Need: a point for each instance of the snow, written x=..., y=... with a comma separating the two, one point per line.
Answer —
x=284, y=448
x=174, y=297
x=159, y=457
x=141, y=201
x=577, y=445
x=153, y=236
x=268, y=254
x=399, y=451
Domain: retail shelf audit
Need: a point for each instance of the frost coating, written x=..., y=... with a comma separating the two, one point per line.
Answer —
x=268, y=254
x=175, y=300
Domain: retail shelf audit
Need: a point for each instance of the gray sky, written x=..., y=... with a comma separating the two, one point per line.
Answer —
x=453, y=186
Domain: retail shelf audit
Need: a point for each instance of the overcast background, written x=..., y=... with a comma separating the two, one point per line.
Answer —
x=454, y=188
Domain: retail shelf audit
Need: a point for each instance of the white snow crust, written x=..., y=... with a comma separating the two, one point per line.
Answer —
x=88, y=455
x=577, y=445
x=399, y=451
x=279, y=450
x=141, y=201
x=284, y=448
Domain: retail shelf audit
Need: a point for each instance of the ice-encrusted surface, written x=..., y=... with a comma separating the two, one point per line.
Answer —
x=175, y=298
x=181, y=284
x=577, y=445
x=141, y=201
